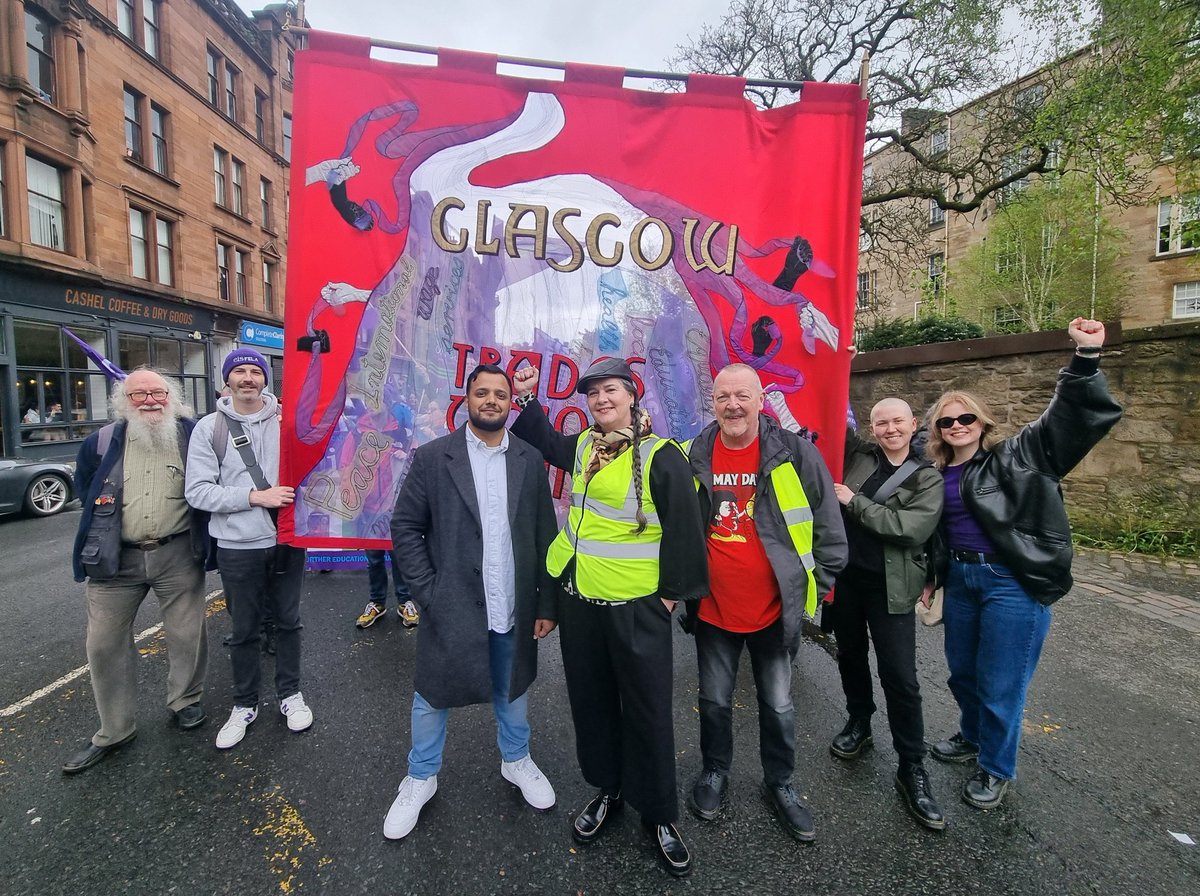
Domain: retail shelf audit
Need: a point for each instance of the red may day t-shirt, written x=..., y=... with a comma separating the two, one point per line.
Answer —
x=744, y=593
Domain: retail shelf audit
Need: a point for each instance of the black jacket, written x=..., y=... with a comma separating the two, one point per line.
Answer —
x=1014, y=490
x=830, y=550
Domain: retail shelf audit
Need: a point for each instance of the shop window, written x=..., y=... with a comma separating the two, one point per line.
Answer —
x=39, y=51
x=132, y=351
x=47, y=216
x=58, y=402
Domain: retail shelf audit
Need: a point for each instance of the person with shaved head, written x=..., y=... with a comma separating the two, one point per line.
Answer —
x=891, y=502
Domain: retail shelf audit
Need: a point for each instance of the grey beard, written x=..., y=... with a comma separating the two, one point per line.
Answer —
x=162, y=436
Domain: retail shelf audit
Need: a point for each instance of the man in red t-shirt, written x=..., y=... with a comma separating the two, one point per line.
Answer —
x=759, y=584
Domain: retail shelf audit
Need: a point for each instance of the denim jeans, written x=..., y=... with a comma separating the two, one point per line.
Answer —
x=717, y=653
x=261, y=582
x=377, y=578
x=512, y=721
x=994, y=637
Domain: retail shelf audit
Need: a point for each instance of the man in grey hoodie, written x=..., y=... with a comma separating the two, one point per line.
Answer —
x=233, y=461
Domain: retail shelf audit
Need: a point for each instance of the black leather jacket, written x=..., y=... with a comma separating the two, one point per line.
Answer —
x=1013, y=490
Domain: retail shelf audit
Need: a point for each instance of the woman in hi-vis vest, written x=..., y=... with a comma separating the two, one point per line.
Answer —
x=632, y=547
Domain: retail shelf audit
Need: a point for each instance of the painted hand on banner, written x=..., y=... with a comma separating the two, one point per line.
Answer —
x=331, y=172
x=337, y=295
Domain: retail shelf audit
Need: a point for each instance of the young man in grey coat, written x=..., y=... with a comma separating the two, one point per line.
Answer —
x=471, y=527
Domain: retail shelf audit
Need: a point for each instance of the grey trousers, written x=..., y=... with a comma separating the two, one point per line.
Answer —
x=112, y=606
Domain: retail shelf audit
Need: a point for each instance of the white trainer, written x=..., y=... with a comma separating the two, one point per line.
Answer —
x=406, y=807
x=299, y=716
x=234, y=730
x=525, y=774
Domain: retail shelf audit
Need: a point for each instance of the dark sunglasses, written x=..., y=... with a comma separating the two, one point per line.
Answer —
x=964, y=419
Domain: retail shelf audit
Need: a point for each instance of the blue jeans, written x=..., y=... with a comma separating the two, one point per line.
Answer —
x=717, y=653
x=512, y=722
x=377, y=578
x=994, y=637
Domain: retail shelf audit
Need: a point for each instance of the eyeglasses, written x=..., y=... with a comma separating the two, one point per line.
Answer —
x=964, y=419
x=140, y=395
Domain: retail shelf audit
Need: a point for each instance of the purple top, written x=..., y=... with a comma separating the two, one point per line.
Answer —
x=962, y=531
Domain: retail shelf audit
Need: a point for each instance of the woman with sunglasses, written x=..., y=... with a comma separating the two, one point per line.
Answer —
x=1009, y=552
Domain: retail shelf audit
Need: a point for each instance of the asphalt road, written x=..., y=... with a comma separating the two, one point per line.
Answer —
x=1107, y=769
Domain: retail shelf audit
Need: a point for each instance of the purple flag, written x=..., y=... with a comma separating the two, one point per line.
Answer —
x=102, y=362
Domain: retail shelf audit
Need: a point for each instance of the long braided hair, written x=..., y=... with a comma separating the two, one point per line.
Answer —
x=636, y=413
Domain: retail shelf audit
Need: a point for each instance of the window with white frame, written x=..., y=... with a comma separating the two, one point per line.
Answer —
x=159, y=159
x=1179, y=224
x=937, y=272
x=1010, y=164
x=287, y=137
x=268, y=285
x=262, y=110
x=866, y=290
x=221, y=177
x=868, y=177
x=1007, y=318
x=264, y=202
x=134, y=126
x=215, y=62
x=1030, y=99
x=939, y=141
x=238, y=178
x=150, y=27
x=866, y=238
x=241, y=262
x=3, y=226
x=1187, y=299
x=233, y=264
x=151, y=241
x=223, y=80
x=39, y=51
x=126, y=17
x=140, y=29
x=224, y=253
x=47, y=213
x=231, y=91
x=1007, y=255
x=937, y=214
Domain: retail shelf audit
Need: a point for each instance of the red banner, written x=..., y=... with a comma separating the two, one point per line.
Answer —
x=445, y=216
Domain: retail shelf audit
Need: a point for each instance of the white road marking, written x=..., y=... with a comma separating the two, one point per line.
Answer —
x=75, y=673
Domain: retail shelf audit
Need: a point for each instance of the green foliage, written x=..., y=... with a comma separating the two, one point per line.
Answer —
x=1034, y=270
x=924, y=330
x=1154, y=521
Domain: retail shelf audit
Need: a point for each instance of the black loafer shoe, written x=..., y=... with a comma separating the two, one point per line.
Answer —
x=595, y=815
x=795, y=817
x=672, y=851
x=913, y=784
x=707, y=793
x=191, y=717
x=955, y=749
x=91, y=754
x=853, y=739
x=984, y=790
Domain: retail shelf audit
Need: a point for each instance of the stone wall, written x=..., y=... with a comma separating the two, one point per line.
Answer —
x=1146, y=470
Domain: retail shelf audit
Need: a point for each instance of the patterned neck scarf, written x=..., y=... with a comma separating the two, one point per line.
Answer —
x=606, y=446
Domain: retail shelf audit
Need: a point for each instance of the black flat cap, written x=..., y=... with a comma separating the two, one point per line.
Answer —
x=604, y=369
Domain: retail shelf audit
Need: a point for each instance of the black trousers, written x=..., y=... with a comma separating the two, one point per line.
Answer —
x=861, y=601
x=617, y=662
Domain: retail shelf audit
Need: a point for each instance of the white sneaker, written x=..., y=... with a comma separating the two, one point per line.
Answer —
x=234, y=730
x=525, y=774
x=406, y=807
x=299, y=716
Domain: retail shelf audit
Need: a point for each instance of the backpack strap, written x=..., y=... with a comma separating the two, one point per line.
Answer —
x=894, y=481
x=104, y=439
x=241, y=442
x=220, y=437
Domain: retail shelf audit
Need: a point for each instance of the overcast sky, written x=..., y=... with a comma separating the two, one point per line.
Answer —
x=627, y=33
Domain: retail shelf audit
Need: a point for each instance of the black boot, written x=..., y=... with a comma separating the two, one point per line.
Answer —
x=913, y=783
x=853, y=739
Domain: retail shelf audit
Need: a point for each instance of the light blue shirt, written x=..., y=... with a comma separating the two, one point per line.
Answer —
x=489, y=469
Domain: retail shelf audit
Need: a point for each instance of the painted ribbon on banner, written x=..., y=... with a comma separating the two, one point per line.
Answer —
x=445, y=216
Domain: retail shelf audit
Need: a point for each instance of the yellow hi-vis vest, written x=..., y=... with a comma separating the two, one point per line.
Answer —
x=612, y=560
x=797, y=516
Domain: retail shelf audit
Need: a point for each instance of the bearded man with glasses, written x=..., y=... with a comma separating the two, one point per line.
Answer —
x=136, y=532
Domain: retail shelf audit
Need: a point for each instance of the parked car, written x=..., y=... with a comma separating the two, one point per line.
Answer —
x=40, y=488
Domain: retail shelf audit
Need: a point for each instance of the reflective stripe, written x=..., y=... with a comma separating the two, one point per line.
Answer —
x=625, y=514
x=618, y=551
x=795, y=515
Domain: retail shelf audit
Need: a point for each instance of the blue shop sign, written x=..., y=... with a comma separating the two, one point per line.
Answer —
x=253, y=333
